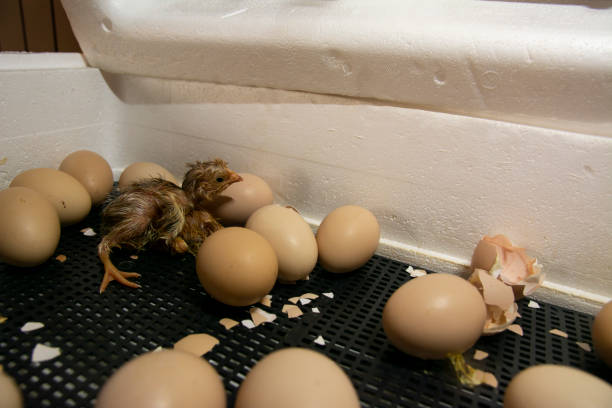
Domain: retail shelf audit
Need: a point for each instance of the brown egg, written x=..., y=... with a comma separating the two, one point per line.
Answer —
x=67, y=195
x=237, y=266
x=347, y=238
x=30, y=228
x=554, y=386
x=235, y=205
x=142, y=171
x=290, y=236
x=296, y=378
x=10, y=394
x=167, y=378
x=92, y=171
x=434, y=315
x=601, y=332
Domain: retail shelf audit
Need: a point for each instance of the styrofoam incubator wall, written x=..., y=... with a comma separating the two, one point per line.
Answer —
x=437, y=179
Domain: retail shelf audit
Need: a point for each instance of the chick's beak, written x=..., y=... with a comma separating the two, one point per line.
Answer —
x=234, y=177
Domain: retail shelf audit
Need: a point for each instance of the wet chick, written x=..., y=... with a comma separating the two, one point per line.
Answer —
x=157, y=211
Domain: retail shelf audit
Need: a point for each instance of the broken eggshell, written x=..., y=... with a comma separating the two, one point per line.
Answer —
x=511, y=264
x=499, y=299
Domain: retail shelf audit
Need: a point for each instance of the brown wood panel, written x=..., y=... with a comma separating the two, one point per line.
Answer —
x=11, y=27
x=66, y=41
x=38, y=20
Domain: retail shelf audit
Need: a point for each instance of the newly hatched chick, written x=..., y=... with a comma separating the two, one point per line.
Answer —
x=159, y=211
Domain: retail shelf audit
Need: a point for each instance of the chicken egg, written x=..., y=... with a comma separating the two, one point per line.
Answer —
x=555, y=386
x=290, y=236
x=235, y=205
x=166, y=378
x=142, y=171
x=347, y=238
x=92, y=171
x=601, y=332
x=68, y=196
x=30, y=228
x=434, y=315
x=236, y=266
x=10, y=394
x=297, y=378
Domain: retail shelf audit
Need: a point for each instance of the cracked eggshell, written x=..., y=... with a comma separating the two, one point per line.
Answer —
x=347, y=238
x=434, y=315
x=142, y=171
x=68, y=196
x=10, y=394
x=601, y=332
x=236, y=203
x=167, y=378
x=92, y=171
x=297, y=378
x=555, y=386
x=290, y=236
x=237, y=266
x=30, y=227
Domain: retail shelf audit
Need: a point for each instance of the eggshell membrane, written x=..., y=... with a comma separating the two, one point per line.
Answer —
x=347, y=238
x=236, y=204
x=296, y=378
x=68, y=196
x=30, y=229
x=290, y=236
x=92, y=171
x=10, y=394
x=554, y=386
x=601, y=333
x=166, y=378
x=237, y=266
x=142, y=171
x=433, y=315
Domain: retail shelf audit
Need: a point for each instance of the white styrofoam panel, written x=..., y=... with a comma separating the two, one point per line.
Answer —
x=541, y=63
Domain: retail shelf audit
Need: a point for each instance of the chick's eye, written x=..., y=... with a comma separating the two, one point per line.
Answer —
x=219, y=179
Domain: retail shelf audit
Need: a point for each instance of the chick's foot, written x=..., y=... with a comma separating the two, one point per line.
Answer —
x=111, y=273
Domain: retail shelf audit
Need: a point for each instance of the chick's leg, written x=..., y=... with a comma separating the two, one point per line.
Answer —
x=111, y=272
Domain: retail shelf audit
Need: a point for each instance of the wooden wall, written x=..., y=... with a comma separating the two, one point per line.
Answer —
x=35, y=26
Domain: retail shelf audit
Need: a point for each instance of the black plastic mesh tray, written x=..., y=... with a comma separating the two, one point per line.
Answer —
x=98, y=333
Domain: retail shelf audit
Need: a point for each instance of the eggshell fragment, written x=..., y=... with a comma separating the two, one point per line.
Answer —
x=196, y=344
x=296, y=378
x=92, y=171
x=236, y=266
x=31, y=326
x=516, y=328
x=601, y=332
x=29, y=227
x=558, y=332
x=228, y=323
x=260, y=316
x=10, y=394
x=554, y=386
x=290, y=236
x=480, y=355
x=585, y=346
x=70, y=199
x=142, y=171
x=292, y=311
x=499, y=298
x=434, y=315
x=266, y=300
x=42, y=353
x=166, y=378
x=236, y=204
x=347, y=238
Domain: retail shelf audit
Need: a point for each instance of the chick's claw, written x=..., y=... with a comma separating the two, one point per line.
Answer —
x=111, y=273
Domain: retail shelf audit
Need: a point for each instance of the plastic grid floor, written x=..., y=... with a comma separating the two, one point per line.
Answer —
x=98, y=333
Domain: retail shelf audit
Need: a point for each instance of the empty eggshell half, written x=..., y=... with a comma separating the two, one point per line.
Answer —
x=290, y=236
x=555, y=386
x=167, y=378
x=67, y=194
x=601, y=332
x=236, y=204
x=297, y=378
x=434, y=315
x=237, y=266
x=142, y=171
x=92, y=171
x=347, y=238
x=30, y=229
x=10, y=394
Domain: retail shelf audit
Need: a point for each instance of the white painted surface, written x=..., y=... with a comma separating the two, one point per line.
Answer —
x=437, y=182
x=541, y=63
